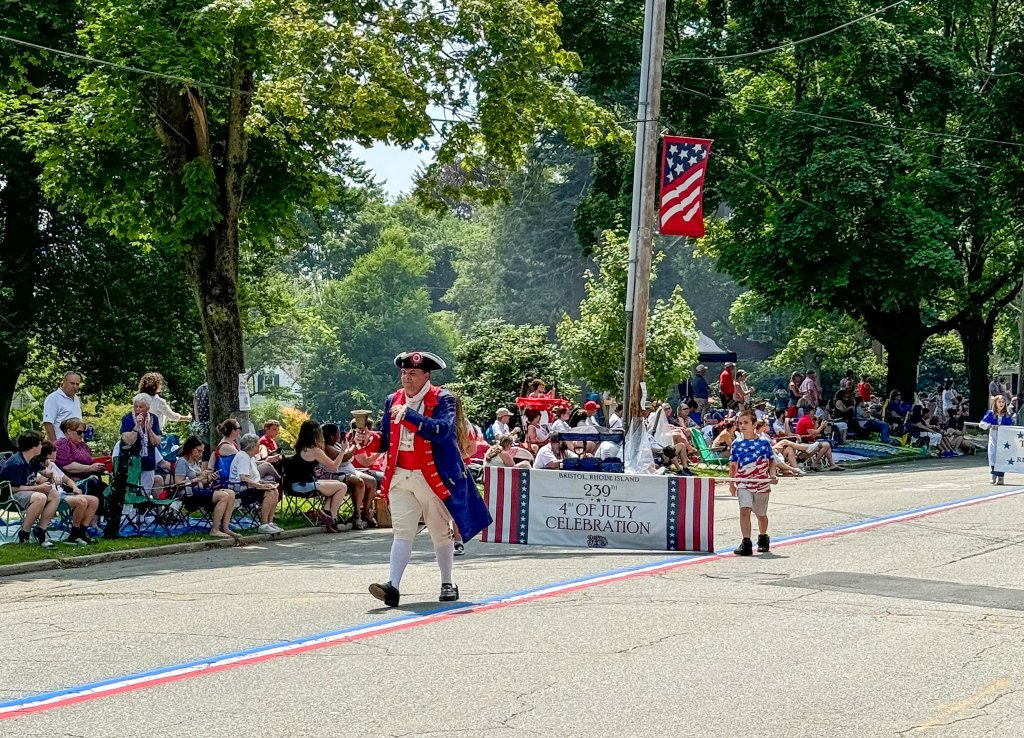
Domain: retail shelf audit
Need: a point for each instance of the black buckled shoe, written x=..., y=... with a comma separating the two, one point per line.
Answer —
x=746, y=548
x=763, y=543
x=449, y=593
x=386, y=593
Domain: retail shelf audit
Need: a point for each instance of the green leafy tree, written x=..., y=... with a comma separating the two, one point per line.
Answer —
x=495, y=357
x=901, y=218
x=831, y=344
x=528, y=265
x=942, y=358
x=594, y=345
x=381, y=308
x=249, y=125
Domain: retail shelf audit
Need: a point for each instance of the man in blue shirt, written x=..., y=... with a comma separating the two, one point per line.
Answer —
x=39, y=501
x=697, y=388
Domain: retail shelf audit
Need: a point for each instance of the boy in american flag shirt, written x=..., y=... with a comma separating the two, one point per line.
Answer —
x=752, y=461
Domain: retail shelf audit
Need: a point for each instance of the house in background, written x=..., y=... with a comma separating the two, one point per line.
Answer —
x=280, y=383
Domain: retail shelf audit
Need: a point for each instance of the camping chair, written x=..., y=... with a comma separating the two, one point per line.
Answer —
x=246, y=514
x=294, y=502
x=144, y=513
x=708, y=458
x=11, y=513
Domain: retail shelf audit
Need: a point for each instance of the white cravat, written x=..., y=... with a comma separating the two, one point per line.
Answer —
x=405, y=441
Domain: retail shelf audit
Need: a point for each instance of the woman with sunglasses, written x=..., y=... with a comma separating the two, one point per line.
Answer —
x=74, y=458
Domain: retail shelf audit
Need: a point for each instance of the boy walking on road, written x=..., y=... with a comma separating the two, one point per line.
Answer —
x=751, y=458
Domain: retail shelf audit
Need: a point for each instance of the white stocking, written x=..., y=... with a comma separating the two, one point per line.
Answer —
x=445, y=560
x=401, y=552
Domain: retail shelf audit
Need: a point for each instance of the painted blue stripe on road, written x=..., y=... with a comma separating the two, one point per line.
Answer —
x=412, y=617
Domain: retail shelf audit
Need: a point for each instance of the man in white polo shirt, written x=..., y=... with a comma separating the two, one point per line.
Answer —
x=500, y=425
x=62, y=404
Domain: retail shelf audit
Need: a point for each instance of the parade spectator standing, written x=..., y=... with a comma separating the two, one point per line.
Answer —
x=726, y=385
x=699, y=390
x=500, y=427
x=38, y=500
x=591, y=408
x=201, y=410
x=864, y=388
x=741, y=392
x=140, y=431
x=426, y=478
x=752, y=460
x=998, y=415
x=810, y=390
x=152, y=383
x=61, y=404
x=847, y=382
x=997, y=387
x=795, y=380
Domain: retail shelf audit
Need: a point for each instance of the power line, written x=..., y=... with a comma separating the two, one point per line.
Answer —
x=788, y=44
x=123, y=67
x=171, y=77
x=822, y=116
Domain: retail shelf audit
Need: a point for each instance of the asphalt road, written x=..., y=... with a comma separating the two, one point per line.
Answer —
x=912, y=627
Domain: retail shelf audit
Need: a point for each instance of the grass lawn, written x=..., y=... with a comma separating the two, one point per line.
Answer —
x=15, y=553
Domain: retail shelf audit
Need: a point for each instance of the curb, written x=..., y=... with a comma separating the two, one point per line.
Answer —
x=76, y=562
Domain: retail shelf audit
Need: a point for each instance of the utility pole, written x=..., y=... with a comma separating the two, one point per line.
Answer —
x=641, y=223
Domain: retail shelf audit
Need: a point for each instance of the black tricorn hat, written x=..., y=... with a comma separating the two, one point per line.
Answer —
x=424, y=360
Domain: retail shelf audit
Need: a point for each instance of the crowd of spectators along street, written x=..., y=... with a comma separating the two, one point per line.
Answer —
x=328, y=464
x=802, y=421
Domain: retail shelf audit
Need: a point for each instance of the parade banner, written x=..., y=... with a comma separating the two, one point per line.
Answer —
x=1010, y=449
x=599, y=510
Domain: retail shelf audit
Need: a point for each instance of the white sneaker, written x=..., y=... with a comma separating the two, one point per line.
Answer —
x=277, y=528
x=268, y=528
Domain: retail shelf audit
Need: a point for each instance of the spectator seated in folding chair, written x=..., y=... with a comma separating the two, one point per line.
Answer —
x=75, y=460
x=362, y=487
x=83, y=507
x=311, y=471
x=250, y=489
x=198, y=491
x=37, y=500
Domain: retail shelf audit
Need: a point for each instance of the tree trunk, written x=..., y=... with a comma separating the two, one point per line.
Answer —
x=20, y=204
x=976, y=335
x=213, y=274
x=212, y=259
x=903, y=337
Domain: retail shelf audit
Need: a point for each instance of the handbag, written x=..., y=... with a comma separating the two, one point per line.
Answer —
x=383, y=512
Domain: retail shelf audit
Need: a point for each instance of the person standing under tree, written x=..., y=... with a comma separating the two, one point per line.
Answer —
x=752, y=460
x=425, y=476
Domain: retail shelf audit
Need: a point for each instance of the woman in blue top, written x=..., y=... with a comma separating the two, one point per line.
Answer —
x=140, y=430
x=998, y=415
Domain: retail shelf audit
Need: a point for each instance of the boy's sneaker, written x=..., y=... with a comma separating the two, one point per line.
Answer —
x=449, y=593
x=24, y=537
x=460, y=549
x=763, y=543
x=746, y=548
x=74, y=538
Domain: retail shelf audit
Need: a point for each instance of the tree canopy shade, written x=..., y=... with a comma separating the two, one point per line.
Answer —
x=249, y=123
x=856, y=166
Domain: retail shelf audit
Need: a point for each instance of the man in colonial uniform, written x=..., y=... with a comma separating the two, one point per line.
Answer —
x=425, y=476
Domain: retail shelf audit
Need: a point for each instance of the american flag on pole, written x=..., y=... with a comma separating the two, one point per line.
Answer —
x=683, y=163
